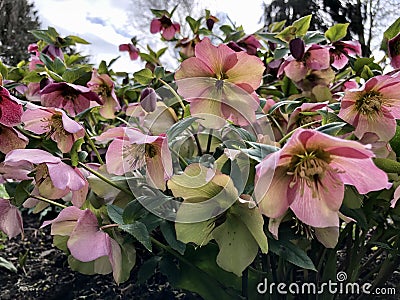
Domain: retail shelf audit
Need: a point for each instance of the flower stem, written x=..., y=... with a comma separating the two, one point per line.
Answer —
x=108, y=226
x=302, y=126
x=40, y=198
x=92, y=145
x=123, y=121
x=102, y=177
x=173, y=92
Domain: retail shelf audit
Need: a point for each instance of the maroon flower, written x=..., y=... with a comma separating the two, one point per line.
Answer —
x=132, y=50
x=70, y=97
x=165, y=26
x=394, y=51
x=10, y=109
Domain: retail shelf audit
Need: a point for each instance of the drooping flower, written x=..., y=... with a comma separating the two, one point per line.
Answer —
x=10, y=109
x=87, y=242
x=132, y=150
x=394, y=51
x=11, y=139
x=304, y=114
x=187, y=46
x=132, y=50
x=53, y=51
x=219, y=82
x=165, y=26
x=249, y=44
x=148, y=99
x=374, y=107
x=70, y=97
x=55, y=124
x=10, y=219
x=103, y=86
x=53, y=178
x=341, y=50
x=310, y=172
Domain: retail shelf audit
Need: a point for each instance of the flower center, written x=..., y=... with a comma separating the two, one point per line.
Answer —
x=70, y=94
x=309, y=168
x=135, y=154
x=55, y=125
x=370, y=103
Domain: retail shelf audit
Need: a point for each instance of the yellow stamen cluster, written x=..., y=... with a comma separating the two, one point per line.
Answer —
x=370, y=103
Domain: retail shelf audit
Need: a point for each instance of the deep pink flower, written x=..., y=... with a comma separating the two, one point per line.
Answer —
x=70, y=97
x=132, y=150
x=10, y=219
x=103, y=86
x=340, y=51
x=11, y=139
x=309, y=174
x=10, y=109
x=54, y=179
x=55, y=124
x=220, y=82
x=165, y=26
x=249, y=44
x=87, y=242
x=53, y=52
x=394, y=51
x=132, y=50
x=374, y=107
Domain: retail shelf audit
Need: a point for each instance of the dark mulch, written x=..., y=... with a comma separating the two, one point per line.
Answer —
x=46, y=274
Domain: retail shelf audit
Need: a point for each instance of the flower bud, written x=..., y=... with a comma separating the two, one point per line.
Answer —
x=297, y=48
x=148, y=99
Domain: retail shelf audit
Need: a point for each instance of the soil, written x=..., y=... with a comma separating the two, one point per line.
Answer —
x=46, y=274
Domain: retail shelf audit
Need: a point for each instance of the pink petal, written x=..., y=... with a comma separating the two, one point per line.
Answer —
x=193, y=67
x=114, y=157
x=383, y=125
x=159, y=167
x=35, y=156
x=36, y=120
x=64, y=176
x=10, y=110
x=318, y=59
x=65, y=221
x=111, y=134
x=155, y=26
x=10, y=219
x=11, y=139
x=396, y=197
x=86, y=241
x=79, y=196
x=340, y=61
x=70, y=125
x=296, y=70
x=168, y=33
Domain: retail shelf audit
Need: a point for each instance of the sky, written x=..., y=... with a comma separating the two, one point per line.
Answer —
x=105, y=24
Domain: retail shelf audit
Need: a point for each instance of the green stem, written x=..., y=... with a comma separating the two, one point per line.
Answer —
x=40, y=198
x=92, y=145
x=180, y=157
x=102, y=177
x=290, y=133
x=173, y=92
x=123, y=121
x=209, y=141
x=199, y=151
x=270, y=117
x=341, y=83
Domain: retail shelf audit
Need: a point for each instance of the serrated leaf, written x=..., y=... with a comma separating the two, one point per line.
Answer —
x=336, y=32
x=115, y=213
x=168, y=231
x=144, y=76
x=139, y=231
x=47, y=61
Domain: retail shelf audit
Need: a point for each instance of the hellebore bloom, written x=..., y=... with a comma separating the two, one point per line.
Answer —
x=394, y=51
x=132, y=50
x=70, y=97
x=103, y=86
x=310, y=172
x=54, y=179
x=53, y=52
x=187, y=46
x=87, y=242
x=11, y=139
x=374, y=107
x=148, y=99
x=55, y=124
x=220, y=82
x=10, y=109
x=165, y=26
x=132, y=150
x=300, y=116
x=10, y=219
x=340, y=51
x=249, y=44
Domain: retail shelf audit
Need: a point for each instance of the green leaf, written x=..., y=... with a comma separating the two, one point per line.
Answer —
x=291, y=253
x=237, y=247
x=336, y=32
x=3, y=70
x=390, y=33
x=148, y=269
x=8, y=265
x=22, y=192
x=59, y=66
x=259, y=151
x=159, y=72
x=47, y=61
x=139, y=231
x=395, y=141
x=352, y=199
x=198, y=233
x=144, y=76
x=194, y=24
x=161, y=52
x=33, y=77
x=336, y=128
x=72, y=75
x=361, y=62
x=76, y=148
x=115, y=213
x=101, y=265
x=288, y=87
x=313, y=37
x=276, y=26
x=168, y=231
x=132, y=212
x=78, y=39
x=180, y=127
x=287, y=34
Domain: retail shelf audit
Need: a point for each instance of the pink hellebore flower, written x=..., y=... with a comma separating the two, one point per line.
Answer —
x=10, y=219
x=132, y=50
x=55, y=124
x=87, y=242
x=220, y=82
x=304, y=114
x=249, y=44
x=374, y=107
x=54, y=179
x=394, y=51
x=310, y=172
x=132, y=150
x=70, y=97
x=10, y=109
x=103, y=86
x=165, y=26
x=11, y=139
x=340, y=51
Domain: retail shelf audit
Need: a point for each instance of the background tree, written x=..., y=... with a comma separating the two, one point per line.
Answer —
x=367, y=18
x=17, y=17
